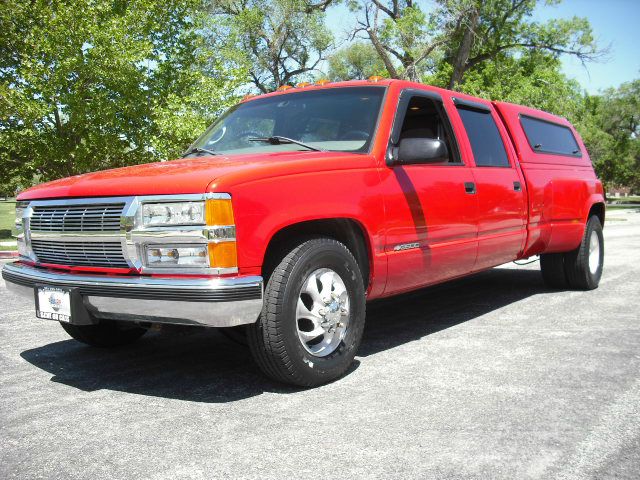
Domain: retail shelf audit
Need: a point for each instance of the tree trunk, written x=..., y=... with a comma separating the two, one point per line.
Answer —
x=464, y=50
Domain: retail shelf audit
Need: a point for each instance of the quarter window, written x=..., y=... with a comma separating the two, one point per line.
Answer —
x=486, y=142
x=548, y=137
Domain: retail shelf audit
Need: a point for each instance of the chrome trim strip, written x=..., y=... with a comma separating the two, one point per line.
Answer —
x=221, y=233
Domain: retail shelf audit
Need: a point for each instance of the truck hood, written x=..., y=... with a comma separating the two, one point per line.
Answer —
x=193, y=175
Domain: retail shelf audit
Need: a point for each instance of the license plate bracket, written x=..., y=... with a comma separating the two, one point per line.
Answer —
x=68, y=301
x=53, y=303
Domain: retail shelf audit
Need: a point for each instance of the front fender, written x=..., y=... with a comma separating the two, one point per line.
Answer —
x=264, y=207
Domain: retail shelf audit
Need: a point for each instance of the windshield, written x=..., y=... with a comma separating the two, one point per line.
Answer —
x=337, y=119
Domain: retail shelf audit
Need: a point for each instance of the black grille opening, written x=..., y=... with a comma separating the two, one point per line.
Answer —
x=73, y=253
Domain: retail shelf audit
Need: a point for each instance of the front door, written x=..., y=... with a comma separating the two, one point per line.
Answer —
x=432, y=213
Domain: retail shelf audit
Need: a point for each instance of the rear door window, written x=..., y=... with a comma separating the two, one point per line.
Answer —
x=548, y=137
x=486, y=142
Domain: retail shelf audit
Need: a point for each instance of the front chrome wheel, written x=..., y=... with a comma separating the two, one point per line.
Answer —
x=322, y=312
x=313, y=317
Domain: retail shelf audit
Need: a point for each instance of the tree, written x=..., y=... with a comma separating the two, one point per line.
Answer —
x=356, y=61
x=534, y=79
x=485, y=29
x=403, y=35
x=88, y=85
x=284, y=41
x=610, y=127
x=461, y=35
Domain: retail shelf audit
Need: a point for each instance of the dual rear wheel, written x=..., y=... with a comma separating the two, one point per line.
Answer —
x=581, y=268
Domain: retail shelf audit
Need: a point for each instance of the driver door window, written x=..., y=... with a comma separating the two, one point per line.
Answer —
x=425, y=118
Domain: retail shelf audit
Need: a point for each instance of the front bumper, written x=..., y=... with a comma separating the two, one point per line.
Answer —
x=220, y=302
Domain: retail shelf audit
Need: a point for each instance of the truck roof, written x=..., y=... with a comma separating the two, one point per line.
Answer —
x=325, y=84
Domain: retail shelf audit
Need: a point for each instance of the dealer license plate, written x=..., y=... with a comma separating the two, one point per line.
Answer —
x=54, y=304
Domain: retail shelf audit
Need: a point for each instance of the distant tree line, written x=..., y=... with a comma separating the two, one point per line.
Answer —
x=93, y=84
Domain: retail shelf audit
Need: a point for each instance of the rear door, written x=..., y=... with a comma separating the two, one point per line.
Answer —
x=500, y=187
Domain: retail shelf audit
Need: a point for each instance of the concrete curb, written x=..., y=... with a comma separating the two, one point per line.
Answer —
x=8, y=253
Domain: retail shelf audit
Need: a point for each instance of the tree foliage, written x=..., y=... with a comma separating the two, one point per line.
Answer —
x=462, y=35
x=610, y=128
x=283, y=41
x=88, y=85
x=94, y=84
x=356, y=61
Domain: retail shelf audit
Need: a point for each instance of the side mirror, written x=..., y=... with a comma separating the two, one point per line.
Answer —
x=421, y=150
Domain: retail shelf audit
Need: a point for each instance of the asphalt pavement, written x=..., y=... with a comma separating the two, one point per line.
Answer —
x=493, y=376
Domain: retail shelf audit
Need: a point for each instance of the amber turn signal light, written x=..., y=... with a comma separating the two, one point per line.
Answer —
x=223, y=255
x=219, y=212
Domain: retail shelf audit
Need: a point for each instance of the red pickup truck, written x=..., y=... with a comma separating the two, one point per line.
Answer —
x=296, y=207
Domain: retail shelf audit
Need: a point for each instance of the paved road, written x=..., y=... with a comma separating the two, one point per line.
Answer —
x=489, y=377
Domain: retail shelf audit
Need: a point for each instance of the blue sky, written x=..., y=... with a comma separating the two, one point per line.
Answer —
x=615, y=23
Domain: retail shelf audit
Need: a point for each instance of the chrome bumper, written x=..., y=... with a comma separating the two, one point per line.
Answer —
x=220, y=302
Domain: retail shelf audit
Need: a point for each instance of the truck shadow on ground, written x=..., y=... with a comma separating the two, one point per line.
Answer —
x=201, y=365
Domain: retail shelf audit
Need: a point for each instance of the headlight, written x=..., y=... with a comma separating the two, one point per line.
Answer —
x=20, y=208
x=182, y=256
x=174, y=213
x=212, y=222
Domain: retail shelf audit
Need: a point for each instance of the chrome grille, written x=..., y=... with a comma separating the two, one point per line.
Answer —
x=72, y=253
x=77, y=218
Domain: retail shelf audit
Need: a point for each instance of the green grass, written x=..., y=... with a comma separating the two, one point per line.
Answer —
x=622, y=207
x=634, y=199
x=7, y=219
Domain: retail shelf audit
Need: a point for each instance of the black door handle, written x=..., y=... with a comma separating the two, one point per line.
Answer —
x=470, y=187
x=517, y=186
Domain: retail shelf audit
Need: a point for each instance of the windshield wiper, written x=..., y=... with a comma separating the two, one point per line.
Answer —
x=278, y=140
x=199, y=150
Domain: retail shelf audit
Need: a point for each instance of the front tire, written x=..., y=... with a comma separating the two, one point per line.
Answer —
x=106, y=334
x=313, y=315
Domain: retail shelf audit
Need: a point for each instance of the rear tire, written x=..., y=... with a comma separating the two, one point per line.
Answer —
x=583, y=266
x=106, y=334
x=313, y=315
x=552, y=268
